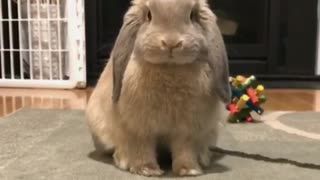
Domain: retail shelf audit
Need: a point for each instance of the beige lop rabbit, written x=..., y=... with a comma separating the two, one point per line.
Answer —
x=164, y=86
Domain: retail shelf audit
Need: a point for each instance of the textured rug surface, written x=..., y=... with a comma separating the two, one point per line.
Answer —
x=41, y=144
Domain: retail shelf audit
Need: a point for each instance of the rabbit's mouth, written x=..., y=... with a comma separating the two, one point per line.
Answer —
x=169, y=58
x=164, y=55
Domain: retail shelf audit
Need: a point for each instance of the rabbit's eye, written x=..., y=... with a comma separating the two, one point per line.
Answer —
x=149, y=16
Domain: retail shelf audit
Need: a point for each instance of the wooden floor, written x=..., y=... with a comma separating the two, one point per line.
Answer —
x=12, y=100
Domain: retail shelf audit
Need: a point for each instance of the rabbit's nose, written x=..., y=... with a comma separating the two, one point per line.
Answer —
x=171, y=44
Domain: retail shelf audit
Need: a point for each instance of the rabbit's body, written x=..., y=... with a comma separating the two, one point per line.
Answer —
x=162, y=88
x=166, y=99
x=166, y=103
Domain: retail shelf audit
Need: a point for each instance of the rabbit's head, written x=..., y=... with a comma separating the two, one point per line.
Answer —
x=170, y=32
x=165, y=31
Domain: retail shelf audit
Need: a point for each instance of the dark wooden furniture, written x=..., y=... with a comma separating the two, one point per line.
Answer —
x=275, y=40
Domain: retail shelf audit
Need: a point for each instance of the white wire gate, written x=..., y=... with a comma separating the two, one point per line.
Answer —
x=42, y=43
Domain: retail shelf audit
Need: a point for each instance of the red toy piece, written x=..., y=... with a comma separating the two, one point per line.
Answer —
x=253, y=96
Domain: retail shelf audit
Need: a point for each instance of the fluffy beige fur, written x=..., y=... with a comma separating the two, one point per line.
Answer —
x=170, y=105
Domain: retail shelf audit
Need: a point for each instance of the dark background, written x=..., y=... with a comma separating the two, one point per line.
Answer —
x=276, y=40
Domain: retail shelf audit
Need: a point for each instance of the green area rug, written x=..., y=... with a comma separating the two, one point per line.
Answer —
x=43, y=144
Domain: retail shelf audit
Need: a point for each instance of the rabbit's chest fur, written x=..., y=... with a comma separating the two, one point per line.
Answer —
x=163, y=97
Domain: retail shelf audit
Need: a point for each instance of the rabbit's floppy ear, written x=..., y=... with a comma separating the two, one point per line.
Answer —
x=218, y=61
x=217, y=55
x=123, y=48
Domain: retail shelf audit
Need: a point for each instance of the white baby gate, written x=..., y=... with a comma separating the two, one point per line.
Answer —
x=42, y=43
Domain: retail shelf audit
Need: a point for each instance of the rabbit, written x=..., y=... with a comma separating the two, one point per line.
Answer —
x=165, y=86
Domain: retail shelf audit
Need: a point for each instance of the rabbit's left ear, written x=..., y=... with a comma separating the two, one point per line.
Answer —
x=123, y=48
x=218, y=61
x=217, y=55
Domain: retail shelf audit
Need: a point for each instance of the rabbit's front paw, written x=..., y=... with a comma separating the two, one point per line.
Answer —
x=121, y=160
x=144, y=164
x=186, y=164
x=186, y=169
x=184, y=157
x=148, y=169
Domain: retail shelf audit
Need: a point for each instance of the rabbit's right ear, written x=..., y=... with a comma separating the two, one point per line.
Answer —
x=217, y=55
x=123, y=48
